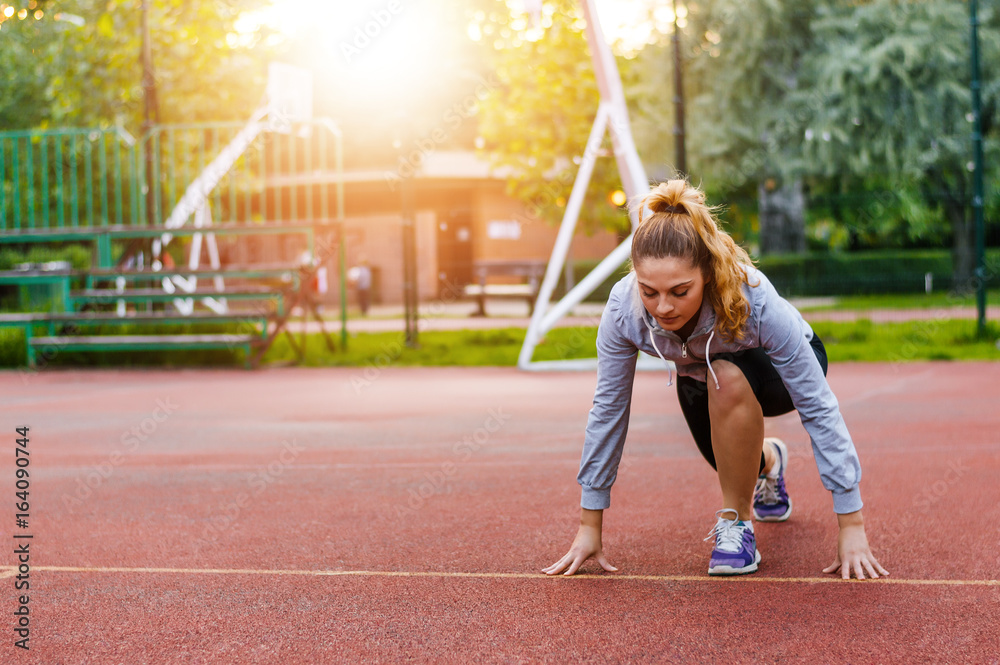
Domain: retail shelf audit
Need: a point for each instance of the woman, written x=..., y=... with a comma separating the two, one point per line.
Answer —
x=742, y=353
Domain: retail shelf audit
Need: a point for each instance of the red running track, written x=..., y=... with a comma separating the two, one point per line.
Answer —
x=402, y=515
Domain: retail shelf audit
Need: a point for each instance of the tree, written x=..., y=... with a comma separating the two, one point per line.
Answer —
x=29, y=47
x=90, y=75
x=538, y=121
x=745, y=64
x=890, y=100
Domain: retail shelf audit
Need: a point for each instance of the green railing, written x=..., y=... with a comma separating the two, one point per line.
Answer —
x=68, y=178
x=275, y=180
x=93, y=178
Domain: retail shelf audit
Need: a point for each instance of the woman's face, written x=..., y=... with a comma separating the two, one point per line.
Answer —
x=671, y=290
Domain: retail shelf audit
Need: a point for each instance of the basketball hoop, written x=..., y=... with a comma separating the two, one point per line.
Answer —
x=289, y=96
x=534, y=9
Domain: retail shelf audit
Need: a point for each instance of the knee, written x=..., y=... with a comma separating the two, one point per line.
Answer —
x=733, y=391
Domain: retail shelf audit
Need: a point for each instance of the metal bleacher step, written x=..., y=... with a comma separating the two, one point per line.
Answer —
x=111, y=296
x=55, y=344
x=160, y=294
x=145, y=342
x=98, y=318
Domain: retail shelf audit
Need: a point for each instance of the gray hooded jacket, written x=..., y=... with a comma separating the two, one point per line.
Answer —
x=774, y=325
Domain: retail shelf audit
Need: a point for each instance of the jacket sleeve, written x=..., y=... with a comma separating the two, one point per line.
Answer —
x=785, y=337
x=607, y=423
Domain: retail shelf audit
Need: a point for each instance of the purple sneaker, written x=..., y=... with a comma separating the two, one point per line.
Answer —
x=770, y=498
x=735, y=550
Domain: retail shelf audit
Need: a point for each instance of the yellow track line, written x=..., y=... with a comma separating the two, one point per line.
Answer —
x=9, y=571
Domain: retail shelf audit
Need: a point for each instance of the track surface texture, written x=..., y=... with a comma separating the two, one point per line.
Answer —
x=384, y=515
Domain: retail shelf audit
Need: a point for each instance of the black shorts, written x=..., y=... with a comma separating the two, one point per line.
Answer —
x=764, y=381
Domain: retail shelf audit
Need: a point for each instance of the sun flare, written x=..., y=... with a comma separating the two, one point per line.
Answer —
x=372, y=44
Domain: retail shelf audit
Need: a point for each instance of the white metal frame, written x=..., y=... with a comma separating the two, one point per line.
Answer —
x=288, y=99
x=612, y=116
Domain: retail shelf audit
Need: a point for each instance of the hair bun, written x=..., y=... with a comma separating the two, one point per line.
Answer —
x=669, y=208
x=667, y=197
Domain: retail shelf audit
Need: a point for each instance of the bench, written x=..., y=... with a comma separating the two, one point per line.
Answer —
x=58, y=280
x=530, y=272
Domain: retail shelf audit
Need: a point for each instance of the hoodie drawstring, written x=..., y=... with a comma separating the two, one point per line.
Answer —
x=670, y=375
x=670, y=371
x=708, y=359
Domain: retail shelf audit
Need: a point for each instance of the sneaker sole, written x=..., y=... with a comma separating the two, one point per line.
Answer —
x=729, y=570
x=774, y=518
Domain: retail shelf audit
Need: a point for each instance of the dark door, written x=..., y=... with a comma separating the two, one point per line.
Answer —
x=454, y=249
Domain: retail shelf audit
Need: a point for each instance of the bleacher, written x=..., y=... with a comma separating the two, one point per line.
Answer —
x=89, y=188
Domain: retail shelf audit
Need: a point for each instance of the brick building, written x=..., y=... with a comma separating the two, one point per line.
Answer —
x=463, y=216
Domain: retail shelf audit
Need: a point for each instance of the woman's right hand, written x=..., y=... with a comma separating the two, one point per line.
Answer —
x=586, y=544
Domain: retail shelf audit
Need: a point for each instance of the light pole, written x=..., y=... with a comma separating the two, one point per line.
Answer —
x=150, y=111
x=977, y=176
x=407, y=212
x=409, y=262
x=680, y=150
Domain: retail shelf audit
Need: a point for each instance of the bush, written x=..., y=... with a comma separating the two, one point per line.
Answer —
x=831, y=273
x=849, y=273
x=78, y=256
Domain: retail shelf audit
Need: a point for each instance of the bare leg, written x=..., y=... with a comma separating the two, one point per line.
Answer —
x=737, y=436
x=770, y=457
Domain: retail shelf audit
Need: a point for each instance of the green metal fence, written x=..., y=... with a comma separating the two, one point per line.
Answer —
x=94, y=178
x=68, y=178
x=277, y=179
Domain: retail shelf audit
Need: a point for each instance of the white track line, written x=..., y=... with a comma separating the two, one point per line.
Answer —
x=9, y=571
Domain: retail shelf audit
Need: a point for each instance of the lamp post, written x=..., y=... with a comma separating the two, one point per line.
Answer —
x=409, y=262
x=977, y=176
x=403, y=134
x=680, y=150
x=150, y=110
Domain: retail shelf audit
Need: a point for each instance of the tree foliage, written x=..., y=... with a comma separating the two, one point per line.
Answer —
x=538, y=122
x=890, y=103
x=865, y=103
x=28, y=48
x=744, y=62
x=91, y=74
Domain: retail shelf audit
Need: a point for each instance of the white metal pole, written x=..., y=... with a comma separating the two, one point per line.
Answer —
x=565, y=237
x=612, y=114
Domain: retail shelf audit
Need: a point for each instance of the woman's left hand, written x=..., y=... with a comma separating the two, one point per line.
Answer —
x=853, y=553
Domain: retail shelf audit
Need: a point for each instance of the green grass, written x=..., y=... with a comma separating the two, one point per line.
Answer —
x=469, y=348
x=935, y=300
x=845, y=341
x=911, y=340
x=13, y=354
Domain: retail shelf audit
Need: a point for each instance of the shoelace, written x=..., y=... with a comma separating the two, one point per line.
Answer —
x=766, y=490
x=728, y=535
